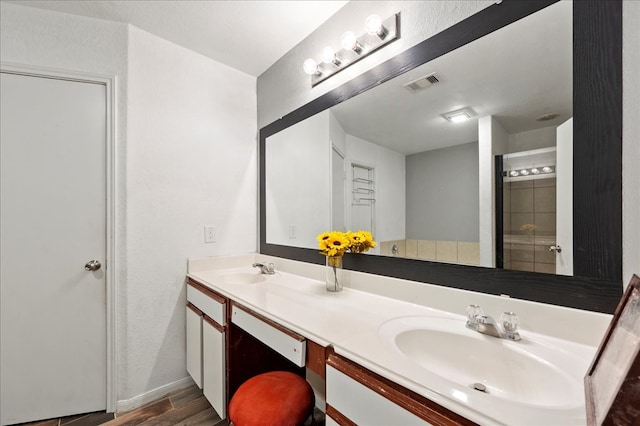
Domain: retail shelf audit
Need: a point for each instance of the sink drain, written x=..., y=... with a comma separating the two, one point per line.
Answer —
x=479, y=387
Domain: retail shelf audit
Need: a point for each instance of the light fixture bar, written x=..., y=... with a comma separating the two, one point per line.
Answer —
x=529, y=171
x=362, y=47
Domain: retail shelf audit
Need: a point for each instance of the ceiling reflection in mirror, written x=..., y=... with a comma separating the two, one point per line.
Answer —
x=391, y=162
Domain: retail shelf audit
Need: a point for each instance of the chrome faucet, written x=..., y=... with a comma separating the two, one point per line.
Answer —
x=268, y=268
x=486, y=324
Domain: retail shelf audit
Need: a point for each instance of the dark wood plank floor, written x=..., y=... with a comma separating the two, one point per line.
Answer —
x=186, y=407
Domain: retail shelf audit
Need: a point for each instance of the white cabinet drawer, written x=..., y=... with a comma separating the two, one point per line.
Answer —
x=287, y=344
x=362, y=405
x=211, y=307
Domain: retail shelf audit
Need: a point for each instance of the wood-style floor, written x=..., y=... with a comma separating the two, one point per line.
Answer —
x=186, y=407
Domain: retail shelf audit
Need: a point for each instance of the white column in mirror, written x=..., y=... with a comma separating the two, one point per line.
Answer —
x=564, y=197
x=338, y=209
x=492, y=140
x=338, y=175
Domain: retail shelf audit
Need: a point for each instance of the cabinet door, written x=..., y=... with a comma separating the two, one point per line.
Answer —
x=194, y=344
x=361, y=405
x=356, y=395
x=214, y=365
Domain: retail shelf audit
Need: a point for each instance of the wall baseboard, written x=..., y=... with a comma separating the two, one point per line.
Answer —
x=153, y=394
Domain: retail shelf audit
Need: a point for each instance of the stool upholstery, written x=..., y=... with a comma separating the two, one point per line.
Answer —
x=274, y=398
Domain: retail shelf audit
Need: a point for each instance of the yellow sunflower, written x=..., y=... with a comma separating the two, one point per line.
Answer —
x=333, y=244
x=360, y=241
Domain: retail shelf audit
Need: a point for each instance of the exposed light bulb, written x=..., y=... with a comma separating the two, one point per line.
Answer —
x=535, y=171
x=373, y=26
x=311, y=67
x=328, y=55
x=547, y=169
x=350, y=42
x=514, y=173
x=524, y=172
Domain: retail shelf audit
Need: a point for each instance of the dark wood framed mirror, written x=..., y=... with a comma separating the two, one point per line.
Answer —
x=597, y=164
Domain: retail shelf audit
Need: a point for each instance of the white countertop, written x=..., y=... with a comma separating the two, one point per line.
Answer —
x=350, y=321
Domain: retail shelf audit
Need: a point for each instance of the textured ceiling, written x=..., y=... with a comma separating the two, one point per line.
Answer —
x=249, y=36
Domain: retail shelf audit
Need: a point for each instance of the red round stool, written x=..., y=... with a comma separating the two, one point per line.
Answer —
x=275, y=398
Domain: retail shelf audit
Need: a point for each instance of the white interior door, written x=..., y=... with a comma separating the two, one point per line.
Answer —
x=564, y=198
x=53, y=221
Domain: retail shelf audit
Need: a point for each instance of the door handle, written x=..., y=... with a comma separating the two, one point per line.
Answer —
x=556, y=248
x=92, y=265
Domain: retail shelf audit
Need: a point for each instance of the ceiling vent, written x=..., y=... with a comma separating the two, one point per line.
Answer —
x=422, y=83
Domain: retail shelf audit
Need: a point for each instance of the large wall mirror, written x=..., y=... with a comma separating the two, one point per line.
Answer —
x=381, y=153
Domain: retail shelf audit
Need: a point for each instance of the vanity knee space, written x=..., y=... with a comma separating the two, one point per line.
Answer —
x=227, y=343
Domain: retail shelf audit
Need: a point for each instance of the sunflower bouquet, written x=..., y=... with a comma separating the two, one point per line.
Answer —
x=360, y=241
x=334, y=245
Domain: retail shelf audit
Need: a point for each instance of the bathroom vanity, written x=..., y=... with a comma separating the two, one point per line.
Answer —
x=381, y=360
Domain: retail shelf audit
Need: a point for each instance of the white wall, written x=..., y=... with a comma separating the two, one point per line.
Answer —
x=390, y=206
x=186, y=144
x=191, y=143
x=544, y=137
x=442, y=194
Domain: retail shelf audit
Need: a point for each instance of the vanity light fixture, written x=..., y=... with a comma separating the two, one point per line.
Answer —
x=530, y=171
x=378, y=33
x=459, y=115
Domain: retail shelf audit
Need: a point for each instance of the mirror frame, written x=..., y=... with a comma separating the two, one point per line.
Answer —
x=597, y=200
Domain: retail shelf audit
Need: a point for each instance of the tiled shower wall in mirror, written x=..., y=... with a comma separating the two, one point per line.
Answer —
x=530, y=225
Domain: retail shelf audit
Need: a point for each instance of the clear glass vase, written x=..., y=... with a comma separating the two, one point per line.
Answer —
x=333, y=273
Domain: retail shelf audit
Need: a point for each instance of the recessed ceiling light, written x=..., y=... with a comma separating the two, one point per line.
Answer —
x=459, y=115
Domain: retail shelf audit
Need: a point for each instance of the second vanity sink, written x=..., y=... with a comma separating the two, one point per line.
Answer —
x=531, y=371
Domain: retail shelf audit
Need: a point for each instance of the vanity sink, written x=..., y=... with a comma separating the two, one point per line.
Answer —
x=243, y=276
x=530, y=371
